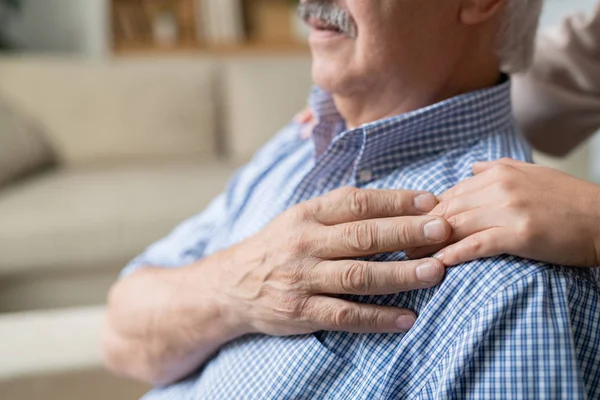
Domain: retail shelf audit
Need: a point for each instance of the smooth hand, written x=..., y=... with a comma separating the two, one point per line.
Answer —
x=511, y=207
x=286, y=279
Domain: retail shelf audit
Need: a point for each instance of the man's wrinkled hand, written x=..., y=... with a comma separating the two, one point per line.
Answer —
x=286, y=280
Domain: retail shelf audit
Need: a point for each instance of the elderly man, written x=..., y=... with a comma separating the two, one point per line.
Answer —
x=289, y=287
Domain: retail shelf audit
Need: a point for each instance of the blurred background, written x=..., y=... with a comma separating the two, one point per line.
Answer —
x=119, y=119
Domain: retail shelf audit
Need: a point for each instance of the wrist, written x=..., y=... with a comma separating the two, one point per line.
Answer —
x=227, y=319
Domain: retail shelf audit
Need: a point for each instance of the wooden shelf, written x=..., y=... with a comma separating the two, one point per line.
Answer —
x=268, y=29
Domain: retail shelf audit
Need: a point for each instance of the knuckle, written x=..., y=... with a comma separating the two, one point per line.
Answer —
x=503, y=174
x=305, y=212
x=517, y=203
x=290, y=307
x=375, y=320
x=308, y=310
x=442, y=209
x=359, y=237
x=301, y=310
x=356, y=278
x=475, y=245
x=293, y=276
x=300, y=245
x=456, y=222
x=504, y=190
x=359, y=203
x=403, y=278
x=344, y=316
x=502, y=170
x=405, y=233
x=525, y=228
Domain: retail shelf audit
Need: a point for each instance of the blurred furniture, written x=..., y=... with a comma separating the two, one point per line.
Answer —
x=204, y=26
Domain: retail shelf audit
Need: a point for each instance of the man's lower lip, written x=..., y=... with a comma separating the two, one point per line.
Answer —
x=322, y=34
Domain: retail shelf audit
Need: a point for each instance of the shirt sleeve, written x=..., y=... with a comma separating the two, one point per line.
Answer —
x=537, y=336
x=557, y=102
x=188, y=242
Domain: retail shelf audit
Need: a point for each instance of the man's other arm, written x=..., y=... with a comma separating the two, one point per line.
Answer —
x=163, y=323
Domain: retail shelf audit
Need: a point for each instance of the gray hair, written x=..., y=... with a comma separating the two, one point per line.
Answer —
x=516, y=39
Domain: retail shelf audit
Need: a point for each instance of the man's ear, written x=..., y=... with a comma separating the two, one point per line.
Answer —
x=474, y=12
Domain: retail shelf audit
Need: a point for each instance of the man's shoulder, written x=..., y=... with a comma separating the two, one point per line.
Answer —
x=440, y=172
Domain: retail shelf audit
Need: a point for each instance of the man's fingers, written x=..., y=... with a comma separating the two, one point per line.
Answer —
x=330, y=314
x=480, y=245
x=364, y=238
x=351, y=204
x=374, y=278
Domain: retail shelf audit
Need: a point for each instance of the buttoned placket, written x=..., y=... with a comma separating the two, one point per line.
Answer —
x=363, y=172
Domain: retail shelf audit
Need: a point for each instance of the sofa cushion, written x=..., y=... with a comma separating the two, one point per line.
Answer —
x=23, y=147
x=261, y=96
x=99, y=218
x=119, y=109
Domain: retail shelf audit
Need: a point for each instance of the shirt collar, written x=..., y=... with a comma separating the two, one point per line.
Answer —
x=386, y=144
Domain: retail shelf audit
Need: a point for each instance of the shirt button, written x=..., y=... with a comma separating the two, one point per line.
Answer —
x=365, y=175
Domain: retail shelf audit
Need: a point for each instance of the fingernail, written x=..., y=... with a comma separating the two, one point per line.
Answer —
x=435, y=230
x=428, y=272
x=405, y=322
x=439, y=256
x=425, y=202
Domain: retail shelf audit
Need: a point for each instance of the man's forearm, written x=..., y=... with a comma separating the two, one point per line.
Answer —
x=162, y=324
x=284, y=281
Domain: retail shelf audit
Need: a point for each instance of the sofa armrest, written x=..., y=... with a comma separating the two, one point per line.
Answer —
x=50, y=341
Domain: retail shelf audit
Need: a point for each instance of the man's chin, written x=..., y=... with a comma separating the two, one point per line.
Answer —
x=323, y=80
x=328, y=73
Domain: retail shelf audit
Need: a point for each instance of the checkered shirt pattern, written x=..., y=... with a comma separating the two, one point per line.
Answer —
x=497, y=328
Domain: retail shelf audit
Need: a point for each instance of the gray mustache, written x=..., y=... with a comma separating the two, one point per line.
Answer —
x=329, y=13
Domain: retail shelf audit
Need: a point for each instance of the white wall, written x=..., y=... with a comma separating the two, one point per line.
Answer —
x=63, y=26
x=555, y=10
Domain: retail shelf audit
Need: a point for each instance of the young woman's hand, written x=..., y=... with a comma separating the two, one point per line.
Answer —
x=511, y=207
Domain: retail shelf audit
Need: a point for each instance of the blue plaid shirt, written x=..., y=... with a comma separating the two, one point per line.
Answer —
x=498, y=328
